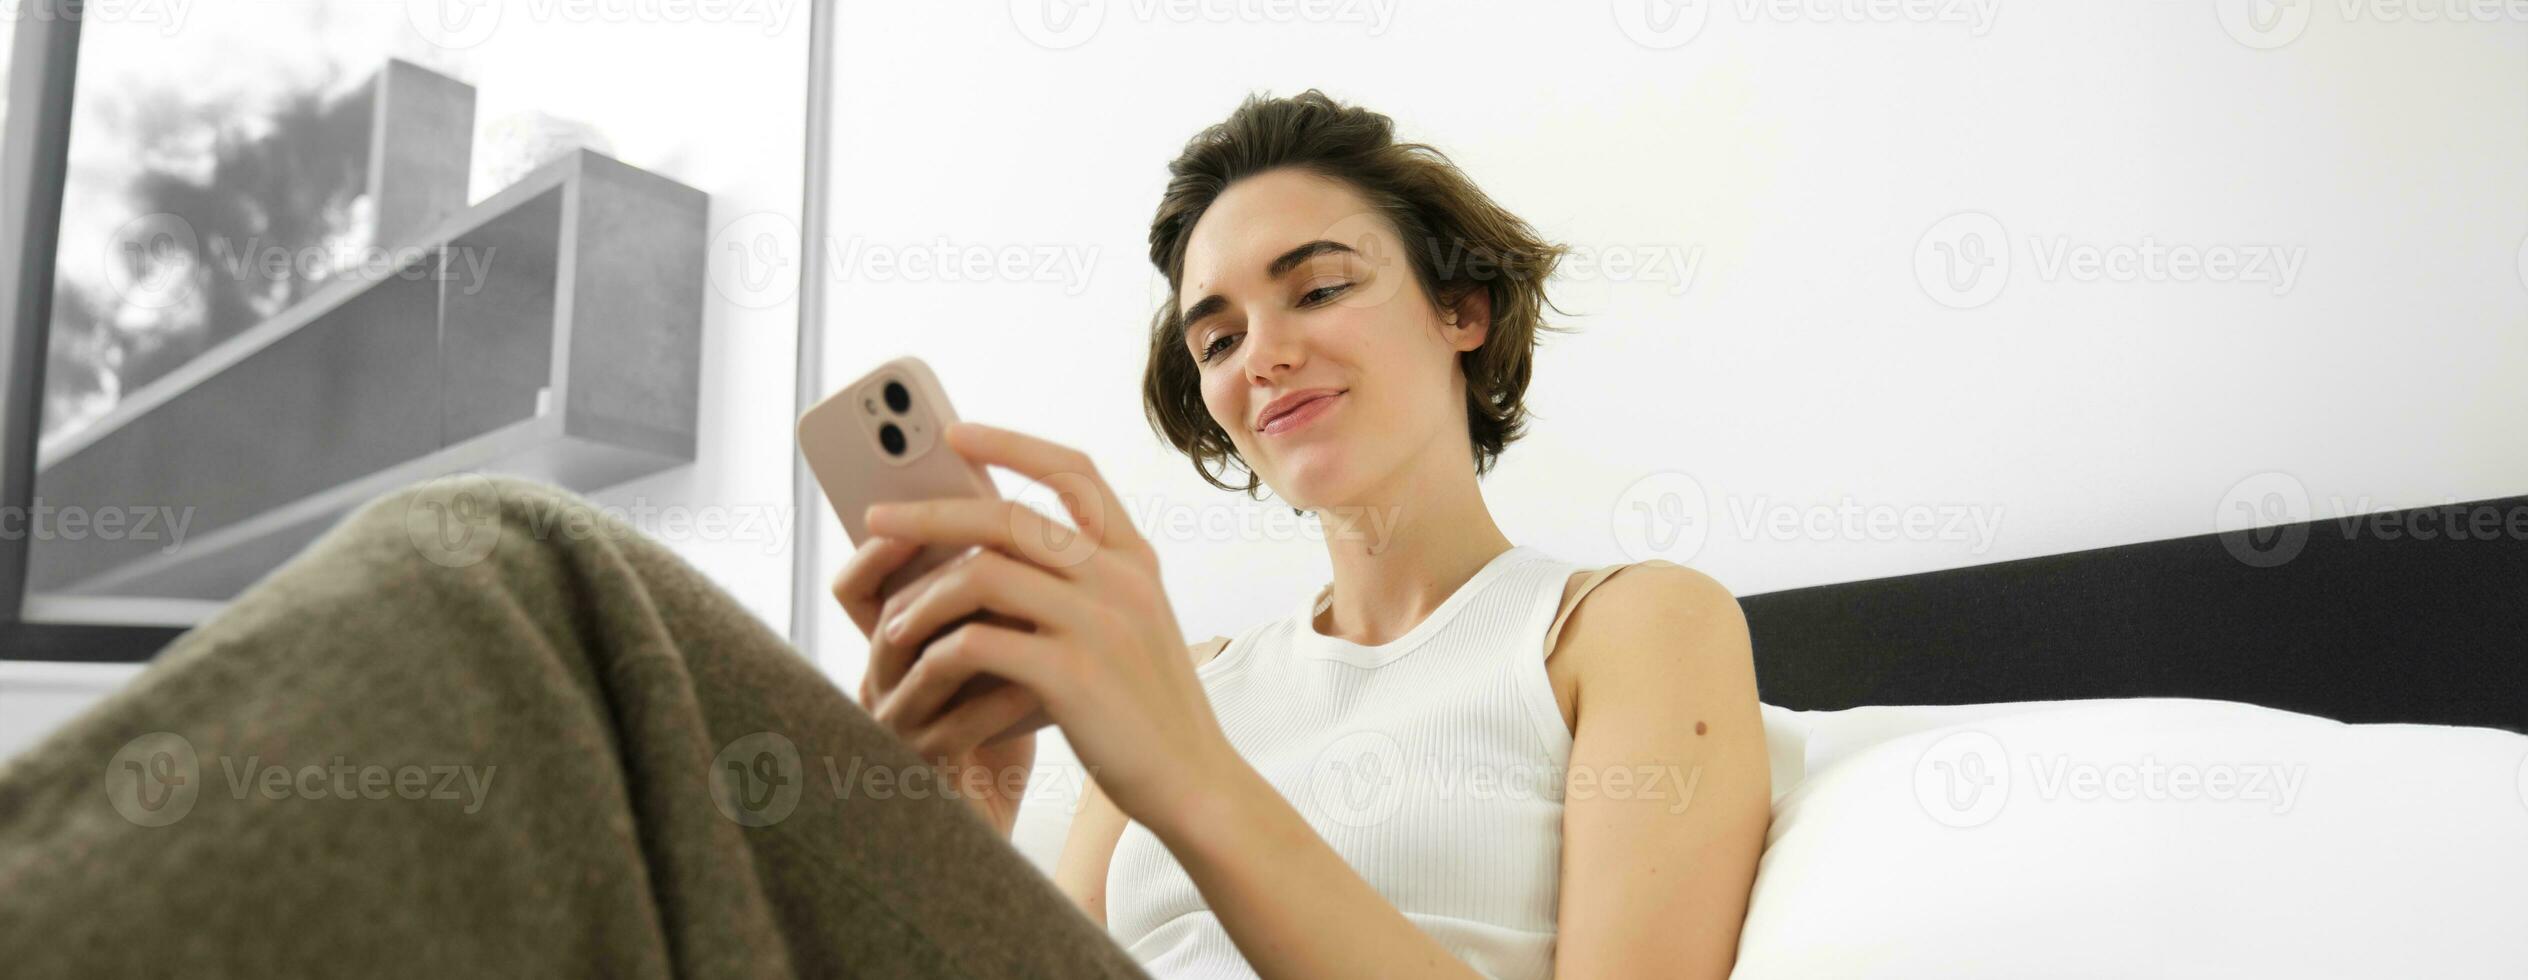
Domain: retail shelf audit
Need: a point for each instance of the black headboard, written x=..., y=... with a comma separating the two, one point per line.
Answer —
x=2411, y=616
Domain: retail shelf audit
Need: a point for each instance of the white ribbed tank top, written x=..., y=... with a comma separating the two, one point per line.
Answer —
x=1432, y=763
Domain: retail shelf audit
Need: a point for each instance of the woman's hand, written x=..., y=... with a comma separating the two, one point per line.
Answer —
x=1105, y=656
x=981, y=745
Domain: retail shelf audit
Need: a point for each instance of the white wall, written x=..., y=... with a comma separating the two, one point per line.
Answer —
x=1798, y=165
x=1803, y=161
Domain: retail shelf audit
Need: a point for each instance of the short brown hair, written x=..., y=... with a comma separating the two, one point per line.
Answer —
x=1464, y=241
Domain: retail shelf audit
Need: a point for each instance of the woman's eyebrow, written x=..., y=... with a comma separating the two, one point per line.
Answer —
x=1279, y=267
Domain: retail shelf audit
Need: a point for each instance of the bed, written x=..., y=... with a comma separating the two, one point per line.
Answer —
x=2293, y=751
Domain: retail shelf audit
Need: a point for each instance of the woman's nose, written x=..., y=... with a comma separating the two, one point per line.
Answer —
x=1274, y=345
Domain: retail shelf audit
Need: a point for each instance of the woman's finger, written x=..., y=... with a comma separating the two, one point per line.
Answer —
x=1085, y=494
x=958, y=730
x=856, y=586
x=889, y=658
x=1005, y=526
x=1028, y=660
x=986, y=581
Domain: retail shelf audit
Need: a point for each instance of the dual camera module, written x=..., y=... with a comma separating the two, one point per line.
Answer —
x=899, y=400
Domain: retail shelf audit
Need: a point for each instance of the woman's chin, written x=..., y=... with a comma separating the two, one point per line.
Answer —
x=1308, y=478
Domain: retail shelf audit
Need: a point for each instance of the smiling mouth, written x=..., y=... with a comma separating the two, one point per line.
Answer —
x=1300, y=414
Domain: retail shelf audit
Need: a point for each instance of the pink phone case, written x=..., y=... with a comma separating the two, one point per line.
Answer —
x=842, y=438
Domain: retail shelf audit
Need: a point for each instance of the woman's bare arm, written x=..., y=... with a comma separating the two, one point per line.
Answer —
x=1669, y=793
x=1090, y=847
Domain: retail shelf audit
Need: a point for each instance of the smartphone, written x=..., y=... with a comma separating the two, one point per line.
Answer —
x=879, y=439
x=882, y=438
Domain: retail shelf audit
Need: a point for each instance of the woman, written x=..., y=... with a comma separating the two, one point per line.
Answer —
x=482, y=728
x=1352, y=321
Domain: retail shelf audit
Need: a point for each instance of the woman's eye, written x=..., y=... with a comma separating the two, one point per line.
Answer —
x=1311, y=298
x=1213, y=349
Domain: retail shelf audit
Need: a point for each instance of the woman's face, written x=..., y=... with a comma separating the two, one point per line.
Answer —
x=1292, y=285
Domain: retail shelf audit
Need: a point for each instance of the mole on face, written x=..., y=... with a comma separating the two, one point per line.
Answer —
x=1698, y=728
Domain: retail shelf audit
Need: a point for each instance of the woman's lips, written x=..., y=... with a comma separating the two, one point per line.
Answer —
x=1297, y=418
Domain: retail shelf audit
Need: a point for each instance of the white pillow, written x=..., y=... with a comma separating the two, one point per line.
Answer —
x=2143, y=837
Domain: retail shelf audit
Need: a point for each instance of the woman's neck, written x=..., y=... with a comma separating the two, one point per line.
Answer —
x=1396, y=562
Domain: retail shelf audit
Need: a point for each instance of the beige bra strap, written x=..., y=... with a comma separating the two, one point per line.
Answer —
x=1207, y=649
x=1594, y=577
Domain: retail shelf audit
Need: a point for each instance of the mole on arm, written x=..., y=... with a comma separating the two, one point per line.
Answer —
x=1698, y=728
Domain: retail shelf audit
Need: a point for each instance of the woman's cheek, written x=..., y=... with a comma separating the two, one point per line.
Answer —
x=1223, y=408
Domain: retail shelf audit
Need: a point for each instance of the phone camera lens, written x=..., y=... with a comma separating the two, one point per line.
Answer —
x=898, y=398
x=892, y=438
